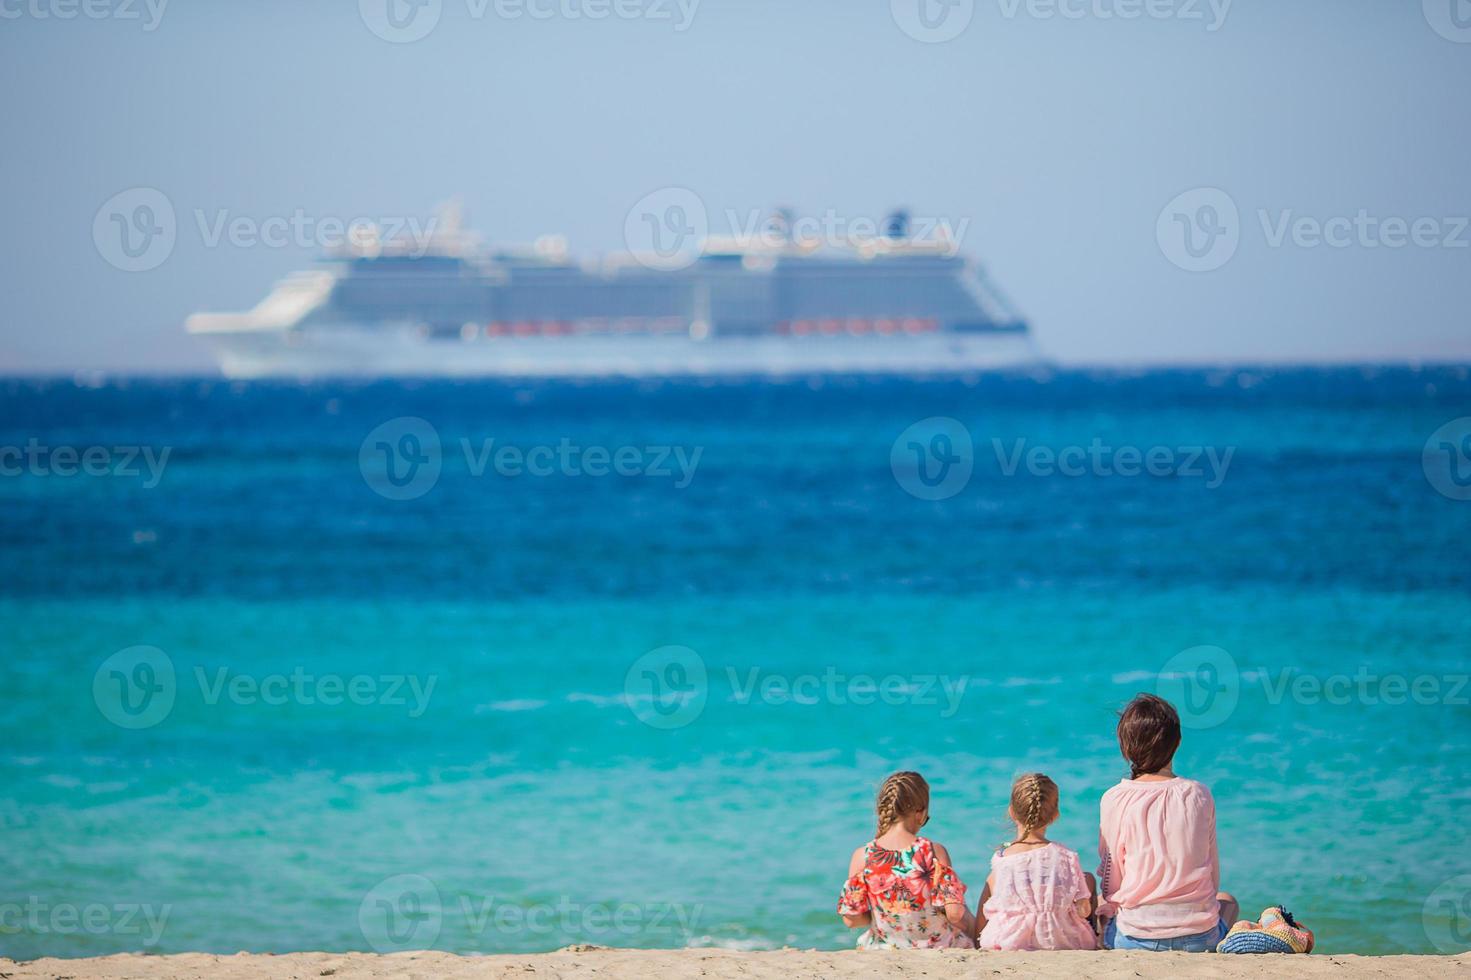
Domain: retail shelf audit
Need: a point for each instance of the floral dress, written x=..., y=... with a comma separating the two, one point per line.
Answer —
x=906, y=892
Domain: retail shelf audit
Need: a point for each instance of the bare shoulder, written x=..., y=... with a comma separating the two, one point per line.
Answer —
x=859, y=858
x=940, y=851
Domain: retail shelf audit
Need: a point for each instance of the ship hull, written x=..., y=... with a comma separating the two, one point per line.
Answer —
x=406, y=352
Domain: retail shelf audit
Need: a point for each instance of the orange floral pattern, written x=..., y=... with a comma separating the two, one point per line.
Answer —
x=906, y=893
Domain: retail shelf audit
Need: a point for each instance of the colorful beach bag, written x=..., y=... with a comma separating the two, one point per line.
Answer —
x=1277, y=932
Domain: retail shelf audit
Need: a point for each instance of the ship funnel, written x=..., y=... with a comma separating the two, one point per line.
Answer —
x=896, y=225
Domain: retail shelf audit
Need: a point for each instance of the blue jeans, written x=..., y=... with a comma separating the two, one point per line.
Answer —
x=1201, y=942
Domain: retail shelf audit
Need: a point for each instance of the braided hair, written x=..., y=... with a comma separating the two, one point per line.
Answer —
x=900, y=795
x=1033, y=802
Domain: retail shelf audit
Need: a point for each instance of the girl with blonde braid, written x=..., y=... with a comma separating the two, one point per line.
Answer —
x=901, y=886
x=1037, y=895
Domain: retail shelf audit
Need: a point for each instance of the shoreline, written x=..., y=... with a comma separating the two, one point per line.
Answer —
x=692, y=964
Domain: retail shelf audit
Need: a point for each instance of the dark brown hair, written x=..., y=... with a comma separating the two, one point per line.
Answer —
x=900, y=795
x=1149, y=734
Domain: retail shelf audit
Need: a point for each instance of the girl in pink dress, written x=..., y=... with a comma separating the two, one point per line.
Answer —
x=901, y=886
x=1037, y=895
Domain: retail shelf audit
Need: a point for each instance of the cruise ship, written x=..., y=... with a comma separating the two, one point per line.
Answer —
x=447, y=306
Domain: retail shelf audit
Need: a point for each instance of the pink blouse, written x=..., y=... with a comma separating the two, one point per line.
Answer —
x=1032, y=903
x=1158, y=870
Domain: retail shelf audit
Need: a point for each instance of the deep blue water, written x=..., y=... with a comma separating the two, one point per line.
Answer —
x=496, y=784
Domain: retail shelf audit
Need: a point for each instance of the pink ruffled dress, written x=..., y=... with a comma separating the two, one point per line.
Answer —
x=1031, y=904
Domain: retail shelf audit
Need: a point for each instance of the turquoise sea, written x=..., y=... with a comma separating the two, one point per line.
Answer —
x=336, y=673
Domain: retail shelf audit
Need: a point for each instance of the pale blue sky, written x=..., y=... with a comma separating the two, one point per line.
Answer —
x=1060, y=139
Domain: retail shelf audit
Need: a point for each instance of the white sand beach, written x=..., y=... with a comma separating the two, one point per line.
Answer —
x=692, y=964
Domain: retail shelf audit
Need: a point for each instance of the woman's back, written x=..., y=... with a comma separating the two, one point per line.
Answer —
x=1158, y=868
